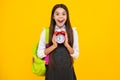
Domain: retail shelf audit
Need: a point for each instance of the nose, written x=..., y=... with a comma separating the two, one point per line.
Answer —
x=60, y=16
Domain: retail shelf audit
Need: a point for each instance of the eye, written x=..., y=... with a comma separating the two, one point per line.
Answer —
x=57, y=14
x=64, y=14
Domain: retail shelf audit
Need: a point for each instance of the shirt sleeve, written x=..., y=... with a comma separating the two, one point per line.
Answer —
x=42, y=45
x=75, y=44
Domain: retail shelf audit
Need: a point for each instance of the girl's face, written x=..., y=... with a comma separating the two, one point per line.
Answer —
x=60, y=17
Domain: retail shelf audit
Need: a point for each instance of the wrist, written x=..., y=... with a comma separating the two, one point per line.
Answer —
x=66, y=44
x=54, y=46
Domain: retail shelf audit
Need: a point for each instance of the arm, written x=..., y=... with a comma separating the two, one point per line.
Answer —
x=74, y=52
x=49, y=49
x=52, y=47
x=42, y=45
x=70, y=49
x=42, y=50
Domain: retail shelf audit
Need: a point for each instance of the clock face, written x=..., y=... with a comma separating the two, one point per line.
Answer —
x=60, y=38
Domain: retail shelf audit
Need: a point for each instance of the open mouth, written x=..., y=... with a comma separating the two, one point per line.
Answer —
x=60, y=21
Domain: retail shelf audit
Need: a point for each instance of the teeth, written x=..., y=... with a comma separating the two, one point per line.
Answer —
x=60, y=21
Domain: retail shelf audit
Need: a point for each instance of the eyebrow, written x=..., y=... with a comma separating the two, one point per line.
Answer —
x=62, y=12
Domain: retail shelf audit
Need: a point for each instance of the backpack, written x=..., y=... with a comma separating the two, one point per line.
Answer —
x=38, y=64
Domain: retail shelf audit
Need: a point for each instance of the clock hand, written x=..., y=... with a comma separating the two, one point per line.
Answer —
x=59, y=37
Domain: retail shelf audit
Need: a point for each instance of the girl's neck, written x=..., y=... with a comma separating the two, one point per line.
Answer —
x=60, y=26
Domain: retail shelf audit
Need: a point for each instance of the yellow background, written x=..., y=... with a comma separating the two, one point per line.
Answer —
x=98, y=25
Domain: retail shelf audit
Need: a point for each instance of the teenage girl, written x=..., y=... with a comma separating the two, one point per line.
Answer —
x=61, y=56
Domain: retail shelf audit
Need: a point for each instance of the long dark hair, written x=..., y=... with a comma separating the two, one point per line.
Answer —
x=68, y=30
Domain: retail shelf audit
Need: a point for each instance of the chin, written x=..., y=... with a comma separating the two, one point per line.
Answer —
x=60, y=25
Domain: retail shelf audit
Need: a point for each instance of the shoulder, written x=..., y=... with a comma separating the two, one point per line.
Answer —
x=75, y=33
x=42, y=33
x=44, y=29
x=74, y=29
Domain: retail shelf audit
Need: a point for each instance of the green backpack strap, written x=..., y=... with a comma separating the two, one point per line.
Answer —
x=47, y=36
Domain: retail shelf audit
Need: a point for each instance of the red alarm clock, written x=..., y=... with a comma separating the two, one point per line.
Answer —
x=60, y=36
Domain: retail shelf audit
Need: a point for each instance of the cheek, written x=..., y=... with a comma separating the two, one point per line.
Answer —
x=55, y=17
x=65, y=16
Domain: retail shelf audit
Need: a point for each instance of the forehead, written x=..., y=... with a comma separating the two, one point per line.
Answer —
x=60, y=10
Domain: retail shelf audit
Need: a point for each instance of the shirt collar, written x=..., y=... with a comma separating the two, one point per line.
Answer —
x=59, y=29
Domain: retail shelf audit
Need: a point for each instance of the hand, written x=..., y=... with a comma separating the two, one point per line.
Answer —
x=54, y=40
x=66, y=39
